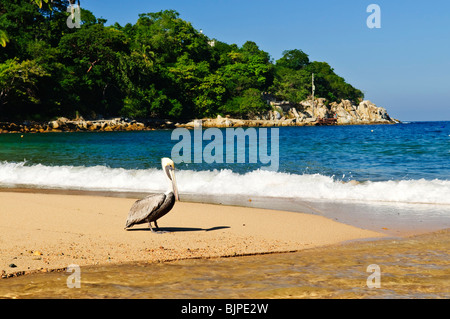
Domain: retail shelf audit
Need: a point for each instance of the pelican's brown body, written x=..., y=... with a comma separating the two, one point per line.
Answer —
x=153, y=207
x=150, y=209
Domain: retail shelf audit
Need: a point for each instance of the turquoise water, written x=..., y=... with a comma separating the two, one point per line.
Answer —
x=362, y=153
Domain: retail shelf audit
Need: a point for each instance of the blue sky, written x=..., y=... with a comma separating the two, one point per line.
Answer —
x=403, y=66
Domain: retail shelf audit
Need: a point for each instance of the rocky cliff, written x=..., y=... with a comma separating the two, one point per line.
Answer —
x=344, y=112
x=305, y=113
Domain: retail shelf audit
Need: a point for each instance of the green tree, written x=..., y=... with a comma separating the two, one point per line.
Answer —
x=293, y=79
x=293, y=59
x=330, y=85
x=92, y=77
x=4, y=39
x=292, y=85
x=249, y=67
x=169, y=37
x=247, y=106
x=210, y=95
x=18, y=86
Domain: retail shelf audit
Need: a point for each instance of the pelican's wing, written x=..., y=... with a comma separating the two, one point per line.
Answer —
x=142, y=208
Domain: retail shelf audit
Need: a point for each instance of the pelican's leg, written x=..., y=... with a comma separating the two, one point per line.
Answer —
x=157, y=229
x=151, y=228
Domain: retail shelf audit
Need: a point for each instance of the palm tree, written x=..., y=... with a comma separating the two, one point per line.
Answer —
x=39, y=2
x=3, y=38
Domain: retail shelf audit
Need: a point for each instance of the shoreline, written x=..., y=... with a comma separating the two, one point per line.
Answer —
x=120, y=125
x=44, y=232
x=378, y=216
x=281, y=113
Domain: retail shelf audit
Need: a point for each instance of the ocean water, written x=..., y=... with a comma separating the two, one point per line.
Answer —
x=402, y=167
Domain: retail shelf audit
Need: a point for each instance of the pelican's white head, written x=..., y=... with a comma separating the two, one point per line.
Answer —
x=168, y=167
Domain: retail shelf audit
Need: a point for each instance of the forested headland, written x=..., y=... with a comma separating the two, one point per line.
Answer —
x=159, y=67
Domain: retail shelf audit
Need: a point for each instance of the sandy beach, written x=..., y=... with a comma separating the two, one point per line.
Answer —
x=43, y=232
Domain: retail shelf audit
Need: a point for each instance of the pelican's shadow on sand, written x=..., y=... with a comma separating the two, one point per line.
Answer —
x=179, y=229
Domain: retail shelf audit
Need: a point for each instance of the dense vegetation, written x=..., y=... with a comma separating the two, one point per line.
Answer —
x=159, y=67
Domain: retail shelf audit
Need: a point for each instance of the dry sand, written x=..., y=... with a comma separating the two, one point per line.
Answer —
x=51, y=231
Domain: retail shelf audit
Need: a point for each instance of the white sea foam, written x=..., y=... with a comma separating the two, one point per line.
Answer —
x=224, y=182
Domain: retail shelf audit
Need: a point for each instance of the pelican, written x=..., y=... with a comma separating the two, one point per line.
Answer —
x=153, y=207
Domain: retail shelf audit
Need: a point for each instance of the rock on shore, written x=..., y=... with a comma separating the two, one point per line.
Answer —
x=282, y=114
x=286, y=114
x=63, y=124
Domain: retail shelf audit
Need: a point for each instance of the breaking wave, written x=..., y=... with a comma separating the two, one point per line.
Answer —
x=224, y=182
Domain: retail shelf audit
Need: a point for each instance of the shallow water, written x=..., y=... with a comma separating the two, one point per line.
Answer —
x=416, y=267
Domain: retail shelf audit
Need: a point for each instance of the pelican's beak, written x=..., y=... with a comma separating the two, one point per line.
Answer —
x=174, y=184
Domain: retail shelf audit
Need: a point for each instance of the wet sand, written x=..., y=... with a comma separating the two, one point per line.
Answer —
x=42, y=232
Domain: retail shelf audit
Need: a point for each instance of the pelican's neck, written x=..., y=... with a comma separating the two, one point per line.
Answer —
x=170, y=188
